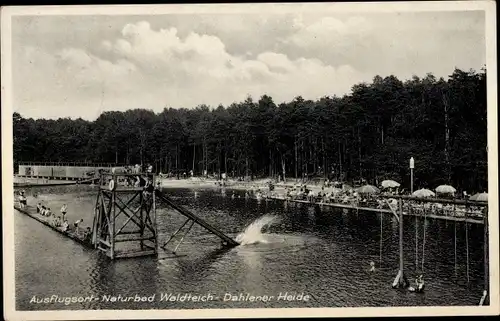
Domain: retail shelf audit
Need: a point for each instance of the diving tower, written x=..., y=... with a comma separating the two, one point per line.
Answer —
x=125, y=222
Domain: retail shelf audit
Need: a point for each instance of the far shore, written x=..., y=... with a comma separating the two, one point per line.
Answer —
x=261, y=184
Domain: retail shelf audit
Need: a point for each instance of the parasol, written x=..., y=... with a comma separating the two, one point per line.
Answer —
x=445, y=189
x=423, y=192
x=481, y=197
x=390, y=183
x=368, y=189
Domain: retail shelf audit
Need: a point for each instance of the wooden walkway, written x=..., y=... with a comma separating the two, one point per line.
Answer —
x=383, y=210
x=31, y=211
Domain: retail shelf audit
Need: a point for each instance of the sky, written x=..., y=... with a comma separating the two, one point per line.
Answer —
x=79, y=66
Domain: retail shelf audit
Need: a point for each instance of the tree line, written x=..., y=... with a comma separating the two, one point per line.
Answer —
x=368, y=134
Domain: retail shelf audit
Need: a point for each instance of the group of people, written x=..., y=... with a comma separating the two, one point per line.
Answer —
x=59, y=221
x=136, y=169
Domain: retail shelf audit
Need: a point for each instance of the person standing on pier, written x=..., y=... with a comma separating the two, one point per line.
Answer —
x=64, y=209
x=77, y=228
x=22, y=200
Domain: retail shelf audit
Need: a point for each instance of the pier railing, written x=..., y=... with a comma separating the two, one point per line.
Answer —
x=86, y=164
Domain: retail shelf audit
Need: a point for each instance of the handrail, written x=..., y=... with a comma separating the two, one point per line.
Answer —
x=436, y=200
x=80, y=164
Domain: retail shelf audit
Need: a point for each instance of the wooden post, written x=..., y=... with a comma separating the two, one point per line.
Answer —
x=97, y=219
x=155, y=224
x=486, y=256
x=381, y=235
x=142, y=219
x=401, y=261
x=467, y=244
x=400, y=280
x=112, y=221
x=416, y=242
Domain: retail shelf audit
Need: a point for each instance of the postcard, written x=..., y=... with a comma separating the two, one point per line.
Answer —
x=250, y=160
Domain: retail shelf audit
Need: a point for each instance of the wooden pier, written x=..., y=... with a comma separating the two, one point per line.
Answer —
x=383, y=210
x=31, y=212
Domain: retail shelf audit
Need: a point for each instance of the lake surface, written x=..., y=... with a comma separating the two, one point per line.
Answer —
x=322, y=253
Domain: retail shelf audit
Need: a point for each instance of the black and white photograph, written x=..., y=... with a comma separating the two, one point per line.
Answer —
x=250, y=160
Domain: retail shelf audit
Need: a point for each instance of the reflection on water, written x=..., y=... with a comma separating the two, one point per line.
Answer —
x=323, y=252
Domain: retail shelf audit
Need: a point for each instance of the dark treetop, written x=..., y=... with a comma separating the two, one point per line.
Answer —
x=370, y=133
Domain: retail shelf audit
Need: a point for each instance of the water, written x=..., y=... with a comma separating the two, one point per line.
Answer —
x=255, y=232
x=324, y=253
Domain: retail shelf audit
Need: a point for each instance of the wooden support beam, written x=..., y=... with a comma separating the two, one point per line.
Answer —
x=126, y=222
x=229, y=241
x=137, y=223
x=112, y=219
x=139, y=238
x=128, y=232
x=105, y=243
x=125, y=205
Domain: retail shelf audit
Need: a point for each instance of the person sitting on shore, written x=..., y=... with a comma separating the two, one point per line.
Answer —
x=58, y=221
x=65, y=226
x=47, y=212
x=38, y=207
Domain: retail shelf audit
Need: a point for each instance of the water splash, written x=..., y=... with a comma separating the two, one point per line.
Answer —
x=253, y=234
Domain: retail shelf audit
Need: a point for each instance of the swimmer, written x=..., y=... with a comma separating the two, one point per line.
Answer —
x=419, y=285
x=372, y=266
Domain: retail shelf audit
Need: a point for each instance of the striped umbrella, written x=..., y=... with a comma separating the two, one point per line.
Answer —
x=481, y=197
x=445, y=189
x=423, y=192
x=389, y=183
x=368, y=189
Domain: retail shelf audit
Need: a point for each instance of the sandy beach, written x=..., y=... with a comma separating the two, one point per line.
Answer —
x=259, y=184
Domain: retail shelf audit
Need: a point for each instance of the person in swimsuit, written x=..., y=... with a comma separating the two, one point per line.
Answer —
x=65, y=226
x=76, y=224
